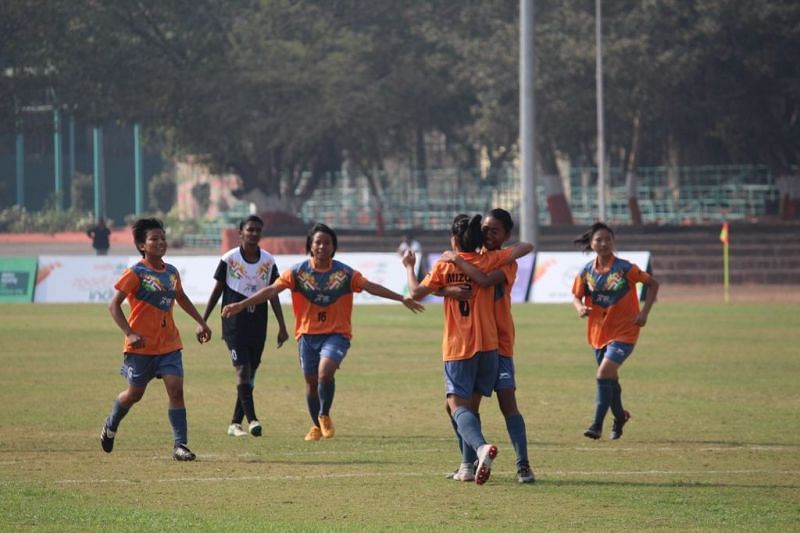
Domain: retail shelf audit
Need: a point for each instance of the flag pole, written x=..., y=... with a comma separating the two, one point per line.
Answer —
x=723, y=237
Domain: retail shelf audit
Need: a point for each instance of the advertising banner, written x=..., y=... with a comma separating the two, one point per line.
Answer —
x=197, y=275
x=78, y=279
x=555, y=272
x=90, y=279
x=17, y=279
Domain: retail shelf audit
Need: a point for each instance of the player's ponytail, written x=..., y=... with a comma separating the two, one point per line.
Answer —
x=585, y=240
x=467, y=232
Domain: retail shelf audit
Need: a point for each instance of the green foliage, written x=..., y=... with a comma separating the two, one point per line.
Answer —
x=49, y=220
x=279, y=90
x=176, y=227
x=82, y=192
x=162, y=192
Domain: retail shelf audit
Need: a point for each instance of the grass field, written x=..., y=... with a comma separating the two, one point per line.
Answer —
x=714, y=442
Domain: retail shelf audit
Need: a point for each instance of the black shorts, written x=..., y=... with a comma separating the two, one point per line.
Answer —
x=246, y=353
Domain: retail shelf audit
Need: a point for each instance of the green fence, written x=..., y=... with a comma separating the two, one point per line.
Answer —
x=683, y=195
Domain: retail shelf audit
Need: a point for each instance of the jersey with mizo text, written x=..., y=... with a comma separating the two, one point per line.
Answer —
x=469, y=326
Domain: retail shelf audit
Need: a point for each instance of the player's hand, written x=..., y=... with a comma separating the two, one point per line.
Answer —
x=413, y=305
x=283, y=335
x=135, y=340
x=409, y=259
x=203, y=333
x=448, y=256
x=583, y=311
x=461, y=293
x=231, y=310
x=641, y=319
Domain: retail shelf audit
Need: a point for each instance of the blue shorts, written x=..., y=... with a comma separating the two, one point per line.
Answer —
x=140, y=369
x=246, y=353
x=616, y=351
x=312, y=347
x=468, y=376
x=505, y=373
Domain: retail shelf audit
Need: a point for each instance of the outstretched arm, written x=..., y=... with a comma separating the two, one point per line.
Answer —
x=383, y=292
x=267, y=293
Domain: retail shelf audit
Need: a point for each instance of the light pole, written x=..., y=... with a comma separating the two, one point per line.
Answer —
x=601, y=141
x=529, y=208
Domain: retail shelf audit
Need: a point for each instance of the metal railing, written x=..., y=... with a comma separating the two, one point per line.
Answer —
x=665, y=196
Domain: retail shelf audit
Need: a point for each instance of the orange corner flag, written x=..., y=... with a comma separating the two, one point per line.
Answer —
x=723, y=235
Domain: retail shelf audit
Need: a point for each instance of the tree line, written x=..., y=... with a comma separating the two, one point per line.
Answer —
x=284, y=92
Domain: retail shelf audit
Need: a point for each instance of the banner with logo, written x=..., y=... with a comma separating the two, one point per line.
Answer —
x=91, y=279
x=78, y=279
x=555, y=272
x=17, y=279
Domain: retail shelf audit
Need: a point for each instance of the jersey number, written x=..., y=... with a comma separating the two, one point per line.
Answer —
x=322, y=316
x=463, y=307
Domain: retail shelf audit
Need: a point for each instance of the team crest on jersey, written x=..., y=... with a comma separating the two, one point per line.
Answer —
x=607, y=289
x=235, y=269
x=152, y=283
x=322, y=288
x=156, y=288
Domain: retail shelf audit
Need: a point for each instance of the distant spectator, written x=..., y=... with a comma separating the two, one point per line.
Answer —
x=100, y=236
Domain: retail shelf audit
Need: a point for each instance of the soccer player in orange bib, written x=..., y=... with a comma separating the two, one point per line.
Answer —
x=497, y=226
x=152, y=342
x=322, y=300
x=605, y=291
x=470, y=341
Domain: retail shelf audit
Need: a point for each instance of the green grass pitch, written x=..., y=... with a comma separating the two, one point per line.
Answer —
x=714, y=442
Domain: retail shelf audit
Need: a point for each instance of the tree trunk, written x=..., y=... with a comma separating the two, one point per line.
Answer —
x=631, y=177
x=557, y=205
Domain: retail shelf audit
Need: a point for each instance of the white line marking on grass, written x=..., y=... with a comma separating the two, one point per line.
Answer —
x=666, y=472
x=542, y=474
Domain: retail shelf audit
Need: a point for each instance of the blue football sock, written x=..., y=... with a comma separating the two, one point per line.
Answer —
x=325, y=391
x=180, y=430
x=117, y=414
x=468, y=455
x=313, y=408
x=515, y=425
x=605, y=392
x=469, y=426
x=458, y=435
x=616, y=401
